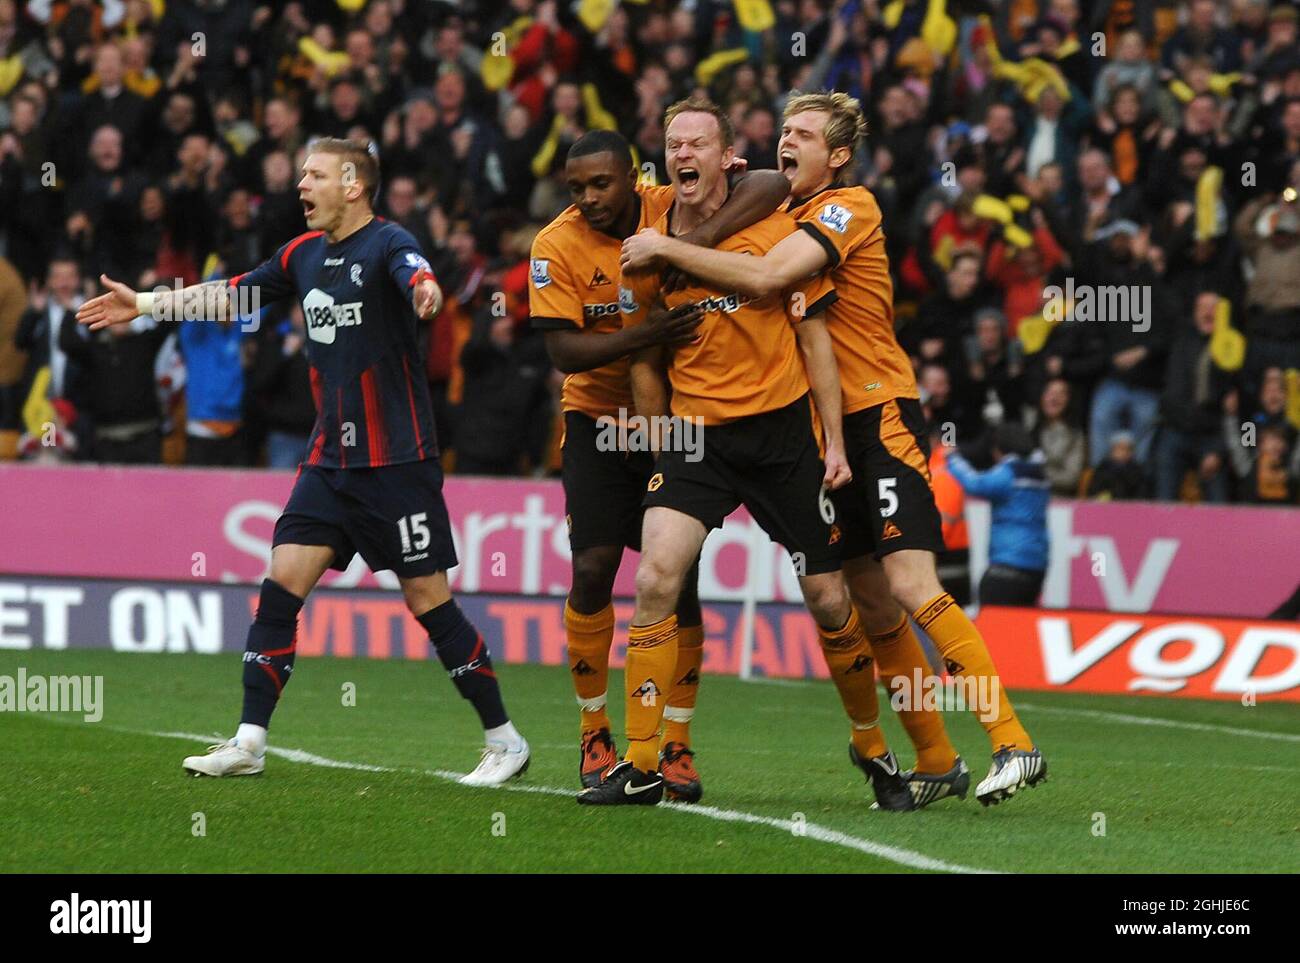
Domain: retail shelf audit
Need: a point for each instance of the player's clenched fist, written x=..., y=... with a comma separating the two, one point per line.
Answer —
x=838, y=473
x=428, y=299
x=641, y=250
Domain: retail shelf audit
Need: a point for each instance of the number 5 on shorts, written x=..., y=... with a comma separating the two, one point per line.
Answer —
x=888, y=497
x=417, y=529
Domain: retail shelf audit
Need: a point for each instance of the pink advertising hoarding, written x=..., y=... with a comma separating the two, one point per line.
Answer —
x=210, y=525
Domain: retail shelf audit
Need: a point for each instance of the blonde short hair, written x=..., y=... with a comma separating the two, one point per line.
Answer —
x=846, y=125
x=359, y=153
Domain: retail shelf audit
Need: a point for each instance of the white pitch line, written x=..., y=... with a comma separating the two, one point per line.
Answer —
x=792, y=683
x=1163, y=723
x=822, y=834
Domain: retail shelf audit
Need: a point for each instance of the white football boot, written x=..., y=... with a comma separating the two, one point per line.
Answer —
x=498, y=765
x=225, y=759
x=1012, y=770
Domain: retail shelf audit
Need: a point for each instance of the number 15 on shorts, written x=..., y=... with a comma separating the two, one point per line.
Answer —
x=414, y=532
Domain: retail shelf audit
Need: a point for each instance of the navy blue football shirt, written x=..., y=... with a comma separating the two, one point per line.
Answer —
x=372, y=399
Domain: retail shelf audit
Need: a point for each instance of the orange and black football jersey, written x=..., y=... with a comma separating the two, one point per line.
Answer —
x=574, y=284
x=873, y=368
x=744, y=359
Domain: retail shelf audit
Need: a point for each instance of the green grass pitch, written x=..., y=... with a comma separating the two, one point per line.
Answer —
x=1181, y=785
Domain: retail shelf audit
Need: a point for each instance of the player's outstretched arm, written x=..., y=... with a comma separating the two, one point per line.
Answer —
x=795, y=257
x=997, y=482
x=574, y=351
x=824, y=377
x=121, y=305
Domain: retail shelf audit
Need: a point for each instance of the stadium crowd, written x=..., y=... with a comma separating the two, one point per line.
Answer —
x=1138, y=159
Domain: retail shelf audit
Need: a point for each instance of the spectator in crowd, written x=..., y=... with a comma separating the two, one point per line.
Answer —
x=1021, y=273
x=1270, y=479
x=214, y=383
x=1269, y=232
x=1118, y=476
x=27, y=205
x=102, y=210
x=39, y=329
x=505, y=388
x=1127, y=347
x=1201, y=35
x=1017, y=488
x=1000, y=152
x=1244, y=447
x=1063, y=444
x=1190, y=423
x=120, y=393
x=279, y=214
x=281, y=133
x=947, y=317
x=1129, y=68
x=1102, y=199
x=1125, y=131
x=994, y=369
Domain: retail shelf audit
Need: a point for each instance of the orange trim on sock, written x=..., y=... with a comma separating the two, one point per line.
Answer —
x=932, y=609
x=655, y=634
x=892, y=635
x=847, y=635
x=588, y=623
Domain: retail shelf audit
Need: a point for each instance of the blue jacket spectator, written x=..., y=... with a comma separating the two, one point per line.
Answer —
x=214, y=392
x=1018, y=489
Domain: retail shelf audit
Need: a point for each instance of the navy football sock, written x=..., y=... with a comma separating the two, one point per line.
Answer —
x=466, y=659
x=268, y=655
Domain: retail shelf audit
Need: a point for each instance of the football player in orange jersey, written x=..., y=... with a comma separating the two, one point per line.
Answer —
x=890, y=551
x=746, y=381
x=573, y=298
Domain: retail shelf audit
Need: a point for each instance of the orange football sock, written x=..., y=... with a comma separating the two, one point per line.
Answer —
x=965, y=656
x=848, y=655
x=686, y=685
x=903, y=665
x=590, y=637
x=651, y=658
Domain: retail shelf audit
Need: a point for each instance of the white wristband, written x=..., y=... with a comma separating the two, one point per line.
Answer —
x=144, y=303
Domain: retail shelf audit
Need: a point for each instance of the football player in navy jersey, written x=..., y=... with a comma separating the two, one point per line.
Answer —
x=371, y=482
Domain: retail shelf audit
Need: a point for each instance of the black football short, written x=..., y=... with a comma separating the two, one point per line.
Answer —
x=394, y=515
x=889, y=505
x=603, y=486
x=770, y=464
